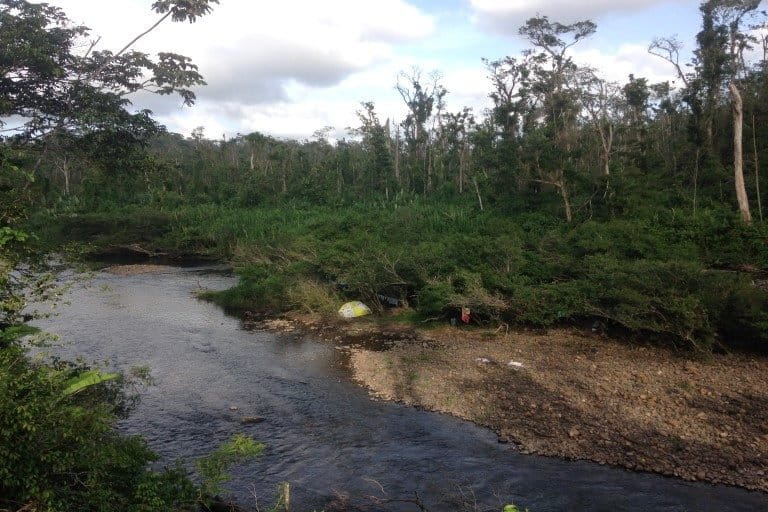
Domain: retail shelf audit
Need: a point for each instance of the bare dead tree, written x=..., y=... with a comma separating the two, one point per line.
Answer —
x=668, y=48
x=738, y=154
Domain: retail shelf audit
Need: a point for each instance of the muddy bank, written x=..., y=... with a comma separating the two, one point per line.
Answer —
x=137, y=255
x=133, y=270
x=571, y=394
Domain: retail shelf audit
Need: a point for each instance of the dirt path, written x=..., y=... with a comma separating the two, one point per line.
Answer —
x=576, y=395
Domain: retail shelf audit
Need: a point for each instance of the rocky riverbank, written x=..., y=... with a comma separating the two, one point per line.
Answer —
x=572, y=394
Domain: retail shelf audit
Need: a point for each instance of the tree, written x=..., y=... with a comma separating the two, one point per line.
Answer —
x=375, y=138
x=720, y=67
x=423, y=101
x=552, y=68
x=59, y=92
x=738, y=154
x=668, y=48
x=599, y=99
x=508, y=76
x=455, y=135
x=721, y=48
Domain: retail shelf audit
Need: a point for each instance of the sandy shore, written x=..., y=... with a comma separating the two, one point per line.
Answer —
x=573, y=394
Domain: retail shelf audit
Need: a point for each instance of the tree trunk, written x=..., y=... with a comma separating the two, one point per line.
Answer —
x=285, y=171
x=477, y=190
x=462, y=166
x=397, y=153
x=696, y=181
x=738, y=154
x=252, y=156
x=65, y=172
x=428, y=161
x=566, y=202
x=757, y=171
x=607, y=148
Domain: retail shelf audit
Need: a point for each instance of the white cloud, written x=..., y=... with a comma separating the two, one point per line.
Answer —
x=507, y=16
x=251, y=52
x=290, y=67
x=625, y=60
x=468, y=87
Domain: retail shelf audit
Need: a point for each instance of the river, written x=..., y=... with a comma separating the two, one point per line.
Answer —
x=324, y=434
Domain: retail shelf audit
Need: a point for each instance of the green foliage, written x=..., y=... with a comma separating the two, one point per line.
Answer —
x=213, y=468
x=14, y=332
x=85, y=380
x=60, y=454
x=312, y=296
x=113, y=228
x=9, y=235
x=738, y=308
x=58, y=88
x=261, y=288
x=462, y=289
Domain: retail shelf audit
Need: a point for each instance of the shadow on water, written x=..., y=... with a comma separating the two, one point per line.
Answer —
x=324, y=435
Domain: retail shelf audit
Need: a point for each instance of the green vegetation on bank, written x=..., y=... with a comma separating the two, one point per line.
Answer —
x=59, y=448
x=673, y=276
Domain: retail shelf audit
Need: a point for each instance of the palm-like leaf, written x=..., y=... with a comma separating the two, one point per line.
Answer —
x=86, y=380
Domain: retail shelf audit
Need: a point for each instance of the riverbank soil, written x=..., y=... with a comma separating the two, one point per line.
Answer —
x=133, y=270
x=573, y=394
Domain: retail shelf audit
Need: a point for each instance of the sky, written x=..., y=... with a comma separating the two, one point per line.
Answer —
x=290, y=67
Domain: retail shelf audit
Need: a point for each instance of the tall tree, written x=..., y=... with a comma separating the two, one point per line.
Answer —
x=379, y=171
x=424, y=99
x=721, y=47
x=552, y=69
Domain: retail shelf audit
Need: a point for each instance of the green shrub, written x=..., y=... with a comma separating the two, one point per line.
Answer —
x=738, y=308
x=547, y=304
x=464, y=289
x=744, y=319
x=213, y=468
x=434, y=298
x=61, y=453
x=259, y=290
x=657, y=297
x=311, y=296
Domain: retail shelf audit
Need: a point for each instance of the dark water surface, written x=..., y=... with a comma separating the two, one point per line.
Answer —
x=323, y=433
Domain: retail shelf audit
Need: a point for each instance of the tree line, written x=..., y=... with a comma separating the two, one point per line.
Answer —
x=557, y=137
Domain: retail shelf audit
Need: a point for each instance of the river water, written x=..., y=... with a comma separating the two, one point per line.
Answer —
x=324, y=434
